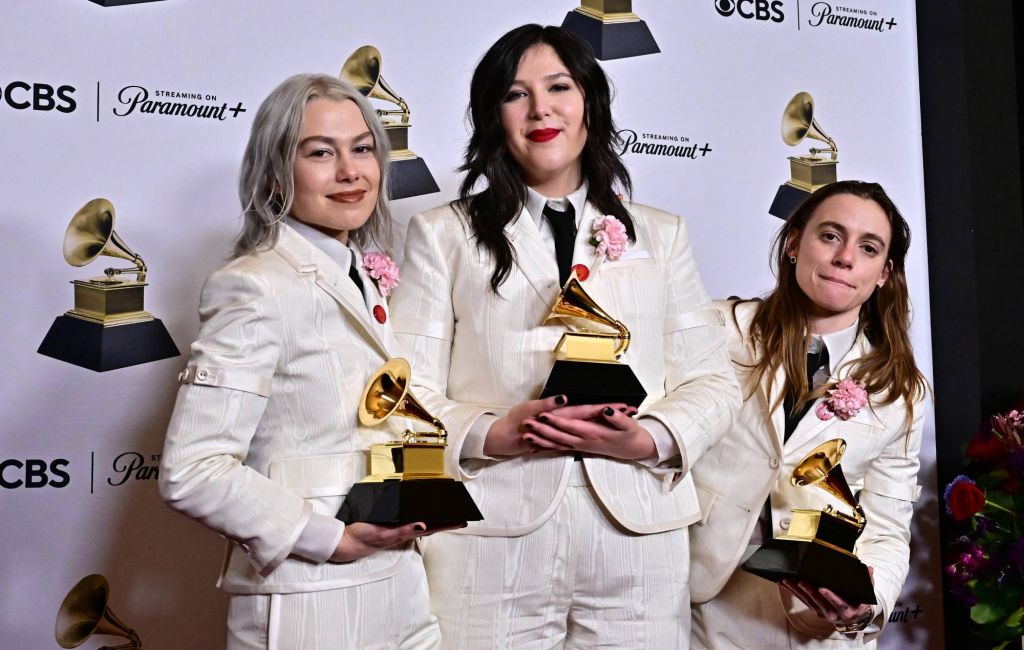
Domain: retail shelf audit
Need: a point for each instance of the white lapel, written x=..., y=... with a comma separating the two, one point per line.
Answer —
x=307, y=258
x=532, y=256
x=811, y=426
x=777, y=416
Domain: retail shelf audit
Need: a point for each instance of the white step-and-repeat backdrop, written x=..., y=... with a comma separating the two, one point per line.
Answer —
x=80, y=119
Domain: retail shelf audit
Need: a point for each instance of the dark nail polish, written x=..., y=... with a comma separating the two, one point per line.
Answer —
x=560, y=400
x=542, y=418
x=421, y=529
x=623, y=410
x=609, y=411
x=528, y=426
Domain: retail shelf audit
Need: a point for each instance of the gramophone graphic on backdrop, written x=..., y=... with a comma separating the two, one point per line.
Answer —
x=84, y=612
x=409, y=173
x=108, y=328
x=808, y=173
x=611, y=28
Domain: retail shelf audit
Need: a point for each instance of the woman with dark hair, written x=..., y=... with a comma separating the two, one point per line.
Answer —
x=585, y=507
x=264, y=441
x=825, y=355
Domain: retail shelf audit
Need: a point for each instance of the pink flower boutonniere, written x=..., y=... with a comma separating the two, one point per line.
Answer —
x=382, y=270
x=844, y=401
x=609, y=237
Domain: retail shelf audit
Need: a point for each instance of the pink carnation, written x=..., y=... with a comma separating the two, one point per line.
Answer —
x=610, y=237
x=382, y=270
x=844, y=401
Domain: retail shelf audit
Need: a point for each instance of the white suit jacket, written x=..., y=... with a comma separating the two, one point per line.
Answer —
x=264, y=435
x=751, y=463
x=474, y=352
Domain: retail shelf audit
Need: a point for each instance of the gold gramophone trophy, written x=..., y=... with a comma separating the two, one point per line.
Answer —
x=807, y=173
x=407, y=481
x=409, y=173
x=84, y=613
x=818, y=546
x=108, y=327
x=587, y=369
x=611, y=28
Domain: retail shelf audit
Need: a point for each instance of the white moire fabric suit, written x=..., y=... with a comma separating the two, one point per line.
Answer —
x=264, y=443
x=590, y=553
x=734, y=609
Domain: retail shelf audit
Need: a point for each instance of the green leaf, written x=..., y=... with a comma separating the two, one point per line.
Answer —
x=983, y=613
x=1015, y=619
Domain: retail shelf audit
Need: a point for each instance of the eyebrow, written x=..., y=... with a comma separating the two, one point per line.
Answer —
x=331, y=141
x=549, y=77
x=840, y=227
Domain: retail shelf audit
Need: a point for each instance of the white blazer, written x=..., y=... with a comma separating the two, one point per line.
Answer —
x=264, y=435
x=751, y=463
x=473, y=352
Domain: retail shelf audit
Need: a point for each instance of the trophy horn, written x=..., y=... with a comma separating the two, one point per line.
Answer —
x=821, y=468
x=387, y=393
x=362, y=70
x=573, y=301
x=84, y=612
x=91, y=234
x=798, y=123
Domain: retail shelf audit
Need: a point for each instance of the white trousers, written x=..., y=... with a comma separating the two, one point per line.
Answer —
x=382, y=615
x=750, y=612
x=578, y=581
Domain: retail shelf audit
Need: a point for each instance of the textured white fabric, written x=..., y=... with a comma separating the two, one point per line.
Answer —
x=578, y=581
x=258, y=469
x=387, y=614
x=750, y=463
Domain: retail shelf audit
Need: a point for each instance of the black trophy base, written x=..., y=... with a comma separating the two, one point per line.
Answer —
x=612, y=40
x=791, y=559
x=435, y=502
x=410, y=177
x=594, y=382
x=786, y=201
x=118, y=3
x=92, y=346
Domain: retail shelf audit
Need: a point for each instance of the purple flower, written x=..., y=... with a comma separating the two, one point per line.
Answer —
x=1016, y=554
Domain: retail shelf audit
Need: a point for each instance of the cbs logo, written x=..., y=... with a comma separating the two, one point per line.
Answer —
x=33, y=473
x=21, y=95
x=756, y=9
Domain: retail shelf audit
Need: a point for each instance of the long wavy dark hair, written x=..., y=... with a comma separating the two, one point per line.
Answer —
x=487, y=156
x=780, y=328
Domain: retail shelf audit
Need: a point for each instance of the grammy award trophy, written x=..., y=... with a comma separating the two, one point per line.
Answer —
x=807, y=173
x=818, y=546
x=108, y=327
x=611, y=28
x=407, y=480
x=587, y=369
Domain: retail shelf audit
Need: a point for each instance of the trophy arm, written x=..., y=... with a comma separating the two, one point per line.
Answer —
x=623, y=339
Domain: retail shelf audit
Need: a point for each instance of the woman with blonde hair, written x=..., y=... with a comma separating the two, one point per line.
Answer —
x=264, y=441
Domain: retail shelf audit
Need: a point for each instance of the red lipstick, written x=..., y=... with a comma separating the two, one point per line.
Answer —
x=542, y=135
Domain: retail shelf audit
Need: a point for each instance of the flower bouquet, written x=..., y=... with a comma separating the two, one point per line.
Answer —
x=987, y=571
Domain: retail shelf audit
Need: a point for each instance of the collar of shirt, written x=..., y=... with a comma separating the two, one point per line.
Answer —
x=535, y=204
x=331, y=247
x=838, y=343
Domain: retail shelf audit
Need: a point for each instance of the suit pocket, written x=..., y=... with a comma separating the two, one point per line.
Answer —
x=706, y=499
x=637, y=263
x=319, y=476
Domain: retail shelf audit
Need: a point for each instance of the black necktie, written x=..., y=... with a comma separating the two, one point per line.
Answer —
x=563, y=225
x=815, y=360
x=353, y=275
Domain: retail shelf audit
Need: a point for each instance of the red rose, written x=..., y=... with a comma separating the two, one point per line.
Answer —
x=963, y=499
x=986, y=447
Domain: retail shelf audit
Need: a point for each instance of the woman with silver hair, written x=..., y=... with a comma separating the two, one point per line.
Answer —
x=264, y=441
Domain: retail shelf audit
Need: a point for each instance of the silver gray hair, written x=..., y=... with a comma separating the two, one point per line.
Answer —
x=266, y=185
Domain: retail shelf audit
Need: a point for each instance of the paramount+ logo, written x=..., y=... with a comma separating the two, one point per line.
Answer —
x=763, y=10
x=23, y=95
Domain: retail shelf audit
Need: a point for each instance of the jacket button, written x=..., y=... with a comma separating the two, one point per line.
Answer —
x=202, y=375
x=773, y=463
x=784, y=523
